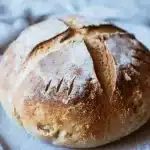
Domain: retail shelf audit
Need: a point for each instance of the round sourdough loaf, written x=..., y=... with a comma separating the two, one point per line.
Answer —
x=76, y=83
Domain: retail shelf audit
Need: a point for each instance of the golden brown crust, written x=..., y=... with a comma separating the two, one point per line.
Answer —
x=80, y=85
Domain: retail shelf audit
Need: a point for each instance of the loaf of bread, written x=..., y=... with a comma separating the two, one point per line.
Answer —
x=76, y=83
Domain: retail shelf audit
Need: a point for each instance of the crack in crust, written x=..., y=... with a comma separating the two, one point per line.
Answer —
x=59, y=85
x=104, y=29
x=47, y=86
x=71, y=86
x=140, y=59
x=45, y=45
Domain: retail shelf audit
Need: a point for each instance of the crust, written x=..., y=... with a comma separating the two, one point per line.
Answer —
x=73, y=86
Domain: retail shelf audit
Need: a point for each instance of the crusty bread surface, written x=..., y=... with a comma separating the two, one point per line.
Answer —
x=76, y=83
